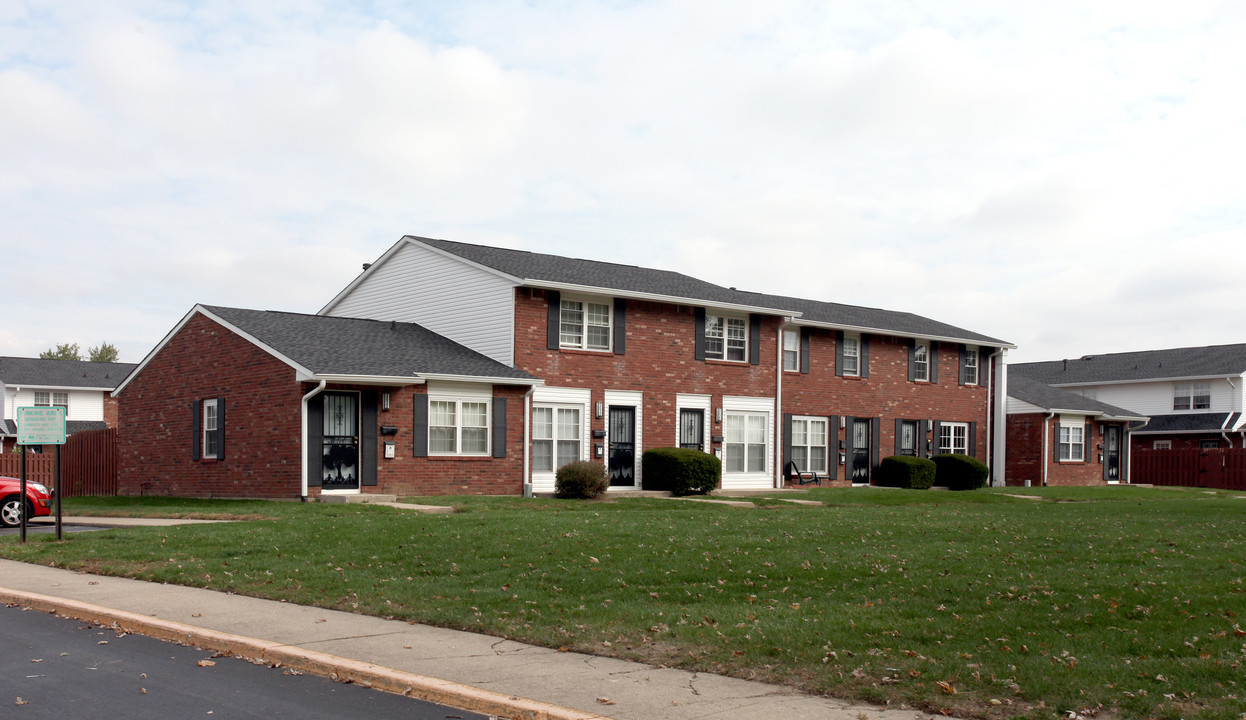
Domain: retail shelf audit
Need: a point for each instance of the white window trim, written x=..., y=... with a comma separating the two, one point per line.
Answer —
x=726, y=339
x=808, y=420
x=208, y=431
x=950, y=429
x=792, y=349
x=971, y=364
x=855, y=370
x=459, y=427
x=694, y=402
x=923, y=364
x=584, y=325
x=549, y=475
x=1161, y=445
x=1071, y=425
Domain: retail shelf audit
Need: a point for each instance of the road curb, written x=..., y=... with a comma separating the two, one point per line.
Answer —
x=333, y=667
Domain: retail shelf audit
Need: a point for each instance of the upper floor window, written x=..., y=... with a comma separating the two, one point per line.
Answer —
x=921, y=361
x=211, y=442
x=45, y=398
x=726, y=338
x=971, y=366
x=1162, y=445
x=852, y=354
x=584, y=324
x=458, y=427
x=954, y=438
x=791, y=350
x=1191, y=396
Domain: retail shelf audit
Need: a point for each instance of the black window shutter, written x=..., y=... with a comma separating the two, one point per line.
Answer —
x=698, y=316
x=865, y=355
x=832, y=447
x=196, y=413
x=936, y=428
x=419, y=426
x=972, y=450
x=754, y=339
x=220, y=428
x=787, y=445
x=934, y=362
x=806, y=335
x=1055, y=440
x=553, y=321
x=983, y=368
x=876, y=425
x=912, y=359
x=899, y=435
x=315, y=440
x=367, y=438
x=499, y=427
x=620, y=328
x=962, y=364
x=839, y=353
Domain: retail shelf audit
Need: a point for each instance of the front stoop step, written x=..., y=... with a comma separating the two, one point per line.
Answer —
x=368, y=498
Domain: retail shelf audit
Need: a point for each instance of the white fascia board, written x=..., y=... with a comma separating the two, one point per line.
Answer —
x=386, y=380
x=897, y=333
x=159, y=346
x=480, y=379
x=654, y=297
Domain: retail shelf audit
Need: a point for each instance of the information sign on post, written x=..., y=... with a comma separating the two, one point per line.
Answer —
x=41, y=426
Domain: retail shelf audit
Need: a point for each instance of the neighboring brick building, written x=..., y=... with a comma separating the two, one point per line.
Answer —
x=81, y=387
x=1056, y=437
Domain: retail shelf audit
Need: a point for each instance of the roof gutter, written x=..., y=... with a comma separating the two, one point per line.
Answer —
x=656, y=297
x=388, y=380
x=532, y=382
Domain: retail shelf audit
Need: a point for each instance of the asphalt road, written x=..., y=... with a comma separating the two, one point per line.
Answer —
x=53, y=668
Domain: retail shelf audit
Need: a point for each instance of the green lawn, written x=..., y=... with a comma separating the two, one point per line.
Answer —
x=1117, y=601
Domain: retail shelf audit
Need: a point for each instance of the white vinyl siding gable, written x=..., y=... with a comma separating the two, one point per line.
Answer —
x=83, y=404
x=1156, y=398
x=470, y=305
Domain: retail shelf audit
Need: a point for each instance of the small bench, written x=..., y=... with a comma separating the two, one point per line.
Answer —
x=802, y=478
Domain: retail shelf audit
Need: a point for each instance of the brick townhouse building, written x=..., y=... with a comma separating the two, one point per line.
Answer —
x=513, y=363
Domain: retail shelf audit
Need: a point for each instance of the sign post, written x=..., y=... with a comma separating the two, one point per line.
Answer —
x=41, y=426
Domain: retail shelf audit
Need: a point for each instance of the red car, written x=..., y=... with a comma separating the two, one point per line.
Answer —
x=38, y=500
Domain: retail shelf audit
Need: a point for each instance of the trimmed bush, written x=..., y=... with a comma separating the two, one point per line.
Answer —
x=960, y=472
x=582, y=479
x=906, y=471
x=682, y=471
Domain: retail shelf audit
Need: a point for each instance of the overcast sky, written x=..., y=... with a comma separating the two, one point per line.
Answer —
x=1067, y=176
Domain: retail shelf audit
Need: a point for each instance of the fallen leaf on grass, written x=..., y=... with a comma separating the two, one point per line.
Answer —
x=947, y=687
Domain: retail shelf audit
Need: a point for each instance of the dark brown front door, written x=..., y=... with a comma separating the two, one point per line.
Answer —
x=622, y=446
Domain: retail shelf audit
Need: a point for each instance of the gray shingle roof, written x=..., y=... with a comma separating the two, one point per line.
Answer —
x=1047, y=397
x=629, y=278
x=1209, y=361
x=348, y=346
x=1190, y=422
x=62, y=373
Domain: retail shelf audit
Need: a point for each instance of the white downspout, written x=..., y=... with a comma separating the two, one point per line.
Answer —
x=778, y=408
x=1000, y=436
x=303, y=437
x=526, y=476
x=1046, y=455
x=1226, y=420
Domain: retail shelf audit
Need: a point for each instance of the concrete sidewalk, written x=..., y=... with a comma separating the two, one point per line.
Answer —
x=475, y=672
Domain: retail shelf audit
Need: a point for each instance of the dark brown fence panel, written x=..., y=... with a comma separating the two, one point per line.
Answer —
x=89, y=463
x=1222, y=469
x=40, y=468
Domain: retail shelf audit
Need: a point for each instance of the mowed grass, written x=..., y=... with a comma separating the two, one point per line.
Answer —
x=1121, y=602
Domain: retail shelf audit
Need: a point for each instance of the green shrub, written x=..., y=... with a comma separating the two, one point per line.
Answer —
x=581, y=479
x=906, y=471
x=960, y=472
x=682, y=471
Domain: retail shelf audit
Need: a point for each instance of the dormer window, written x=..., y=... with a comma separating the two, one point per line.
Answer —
x=584, y=324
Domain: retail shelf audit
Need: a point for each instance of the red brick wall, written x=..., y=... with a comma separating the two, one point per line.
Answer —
x=262, y=419
x=887, y=393
x=659, y=361
x=110, y=410
x=1027, y=456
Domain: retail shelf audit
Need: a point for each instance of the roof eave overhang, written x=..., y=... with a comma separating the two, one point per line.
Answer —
x=900, y=333
x=532, y=382
x=346, y=379
x=1158, y=379
x=32, y=386
x=656, y=297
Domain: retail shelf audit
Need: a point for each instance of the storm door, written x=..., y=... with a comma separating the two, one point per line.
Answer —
x=1112, y=453
x=622, y=446
x=692, y=429
x=860, y=452
x=339, y=465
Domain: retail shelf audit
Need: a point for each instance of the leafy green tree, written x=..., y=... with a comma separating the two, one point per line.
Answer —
x=105, y=352
x=63, y=351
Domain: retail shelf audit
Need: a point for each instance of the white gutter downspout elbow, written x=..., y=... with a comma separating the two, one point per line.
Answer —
x=303, y=437
x=999, y=455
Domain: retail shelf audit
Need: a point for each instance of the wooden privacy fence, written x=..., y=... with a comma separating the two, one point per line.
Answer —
x=1219, y=468
x=88, y=464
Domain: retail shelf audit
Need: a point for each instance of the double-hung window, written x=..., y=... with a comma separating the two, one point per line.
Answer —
x=921, y=361
x=954, y=438
x=556, y=437
x=726, y=338
x=971, y=366
x=45, y=398
x=744, y=445
x=1191, y=396
x=852, y=355
x=1072, y=442
x=791, y=350
x=458, y=427
x=809, y=443
x=584, y=324
x=211, y=446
